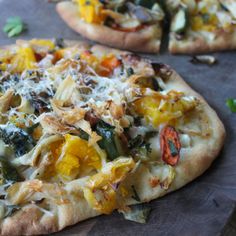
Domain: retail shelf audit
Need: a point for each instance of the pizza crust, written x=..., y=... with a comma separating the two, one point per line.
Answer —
x=31, y=220
x=196, y=45
x=147, y=40
x=193, y=162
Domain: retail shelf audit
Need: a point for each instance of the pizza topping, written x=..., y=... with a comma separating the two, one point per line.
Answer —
x=158, y=109
x=91, y=11
x=23, y=60
x=76, y=156
x=108, y=141
x=99, y=191
x=137, y=213
x=9, y=210
x=121, y=15
x=179, y=22
x=8, y=171
x=170, y=145
x=16, y=138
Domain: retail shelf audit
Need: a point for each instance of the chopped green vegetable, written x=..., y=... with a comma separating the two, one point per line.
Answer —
x=107, y=132
x=17, y=138
x=14, y=26
x=137, y=213
x=83, y=135
x=139, y=147
x=130, y=71
x=10, y=210
x=173, y=149
x=60, y=42
x=9, y=172
x=179, y=22
x=135, y=196
x=231, y=103
x=30, y=129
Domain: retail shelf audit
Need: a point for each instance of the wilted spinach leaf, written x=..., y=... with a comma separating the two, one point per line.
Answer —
x=107, y=132
x=137, y=213
x=9, y=172
x=17, y=138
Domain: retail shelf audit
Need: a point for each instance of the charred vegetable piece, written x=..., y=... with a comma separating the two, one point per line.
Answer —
x=17, y=138
x=60, y=42
x=139, y=146
x=108, y=143
x=40, y=101
x=170, y=145
x=137, y=213
x=135, y=195
x=91, y=11
x=9, y=172
x=10, y=210
x=179, y=22
x=30, y=129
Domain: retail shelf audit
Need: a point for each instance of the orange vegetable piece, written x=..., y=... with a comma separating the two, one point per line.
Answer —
x=108, y=64
x=170, y=145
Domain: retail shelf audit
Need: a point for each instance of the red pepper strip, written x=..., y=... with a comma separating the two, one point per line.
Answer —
x=170, y=145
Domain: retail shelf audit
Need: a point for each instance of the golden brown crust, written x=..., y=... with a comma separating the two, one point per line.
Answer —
x=29, y=221
x=196, y=161
x=199, y=44
x=193, y=162
x=146, y=40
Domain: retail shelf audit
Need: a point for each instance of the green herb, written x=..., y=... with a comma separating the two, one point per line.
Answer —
x=205, y=17
x=14, y=26
x=107, y=132
x=231, y=103
x=139, y=142
x=83, y=135
x=173, y=148
x=30, y=129
x=9, y=172
x=156, y=85
x=60, y=42
x=17, y=138
x=135, y=196
x=224, y=7
x=11, y=209
x=137, y=213
x=136, y=142
x=130, y=71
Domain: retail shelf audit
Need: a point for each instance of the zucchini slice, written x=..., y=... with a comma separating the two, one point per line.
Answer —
x=179, y=22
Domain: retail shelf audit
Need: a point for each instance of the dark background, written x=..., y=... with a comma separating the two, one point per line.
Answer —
x=203, y=207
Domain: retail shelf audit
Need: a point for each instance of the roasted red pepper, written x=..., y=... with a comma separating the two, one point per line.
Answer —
x=170, y=145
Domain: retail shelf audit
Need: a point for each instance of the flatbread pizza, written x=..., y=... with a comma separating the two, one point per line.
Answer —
x=119, y=24
x=195, y=26
x=87, y=129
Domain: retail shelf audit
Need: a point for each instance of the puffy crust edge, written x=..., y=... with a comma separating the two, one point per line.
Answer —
x=223, y=41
